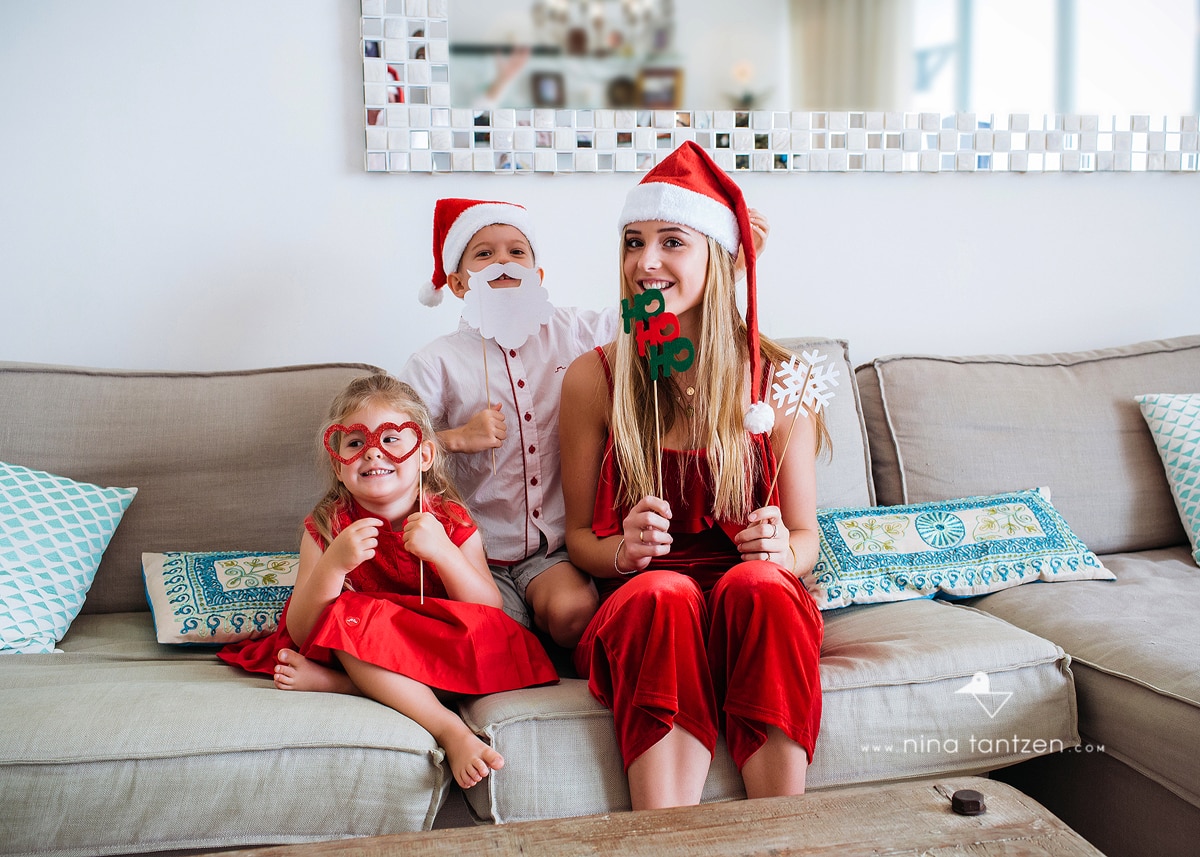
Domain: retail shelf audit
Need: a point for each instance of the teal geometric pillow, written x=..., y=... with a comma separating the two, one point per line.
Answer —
x=954, y=548
x=53, y=532
x=217, y=597
x=1174, y=420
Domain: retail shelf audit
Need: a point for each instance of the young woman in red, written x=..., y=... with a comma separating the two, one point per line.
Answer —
x=704, y=626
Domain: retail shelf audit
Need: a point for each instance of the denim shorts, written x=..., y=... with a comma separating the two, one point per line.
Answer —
x=514, y=579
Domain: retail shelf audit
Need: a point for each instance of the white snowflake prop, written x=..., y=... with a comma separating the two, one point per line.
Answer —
x=804, y=382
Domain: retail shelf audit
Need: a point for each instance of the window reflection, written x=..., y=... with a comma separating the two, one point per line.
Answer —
x=1036, y=56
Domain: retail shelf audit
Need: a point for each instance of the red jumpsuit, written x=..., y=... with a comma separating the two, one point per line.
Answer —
x=449, y=645
x=701, y=632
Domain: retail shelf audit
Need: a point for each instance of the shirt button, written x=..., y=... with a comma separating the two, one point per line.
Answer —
x=537, y=513
x=528, y=417
x=521, y=384
x=532, y=449
x=533, y=481
x=512, y=352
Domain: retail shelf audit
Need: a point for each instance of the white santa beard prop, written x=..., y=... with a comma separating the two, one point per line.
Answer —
x=510, y=315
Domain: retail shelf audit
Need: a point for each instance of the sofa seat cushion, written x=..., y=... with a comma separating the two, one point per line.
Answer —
x=1134, y=647
x=891, y=676
x=174, y=750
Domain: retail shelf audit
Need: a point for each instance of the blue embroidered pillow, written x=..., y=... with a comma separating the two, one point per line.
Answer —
x=955, y=548
x=217, y=597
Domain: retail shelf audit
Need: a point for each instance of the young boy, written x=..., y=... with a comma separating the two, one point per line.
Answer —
x=493, y=387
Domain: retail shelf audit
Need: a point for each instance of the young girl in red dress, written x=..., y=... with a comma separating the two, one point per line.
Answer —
x=394, y=598
x=704, y=626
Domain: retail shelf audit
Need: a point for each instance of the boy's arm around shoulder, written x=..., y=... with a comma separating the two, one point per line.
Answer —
x=595, y=327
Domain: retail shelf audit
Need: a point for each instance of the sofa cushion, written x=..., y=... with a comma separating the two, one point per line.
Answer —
x=1174, y=420
x=892, y=709
x=199, y=446
x=943, y=427
x=953, y=548
x=215, y=597
x=1133, y=645
x=844, y=472
x=53, y=531
x=194, y=753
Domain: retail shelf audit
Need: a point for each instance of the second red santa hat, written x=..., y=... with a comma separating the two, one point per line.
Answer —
x=455, y=222
x=688, y=188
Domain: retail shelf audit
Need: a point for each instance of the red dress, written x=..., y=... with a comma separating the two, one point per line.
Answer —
x=700, y=631
x=454, y=646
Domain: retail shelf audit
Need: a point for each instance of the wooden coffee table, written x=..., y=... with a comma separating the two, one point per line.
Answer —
x=911, y=818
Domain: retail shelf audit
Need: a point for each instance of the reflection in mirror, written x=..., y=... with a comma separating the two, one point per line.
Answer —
x=981, y=85
x=1034, y=56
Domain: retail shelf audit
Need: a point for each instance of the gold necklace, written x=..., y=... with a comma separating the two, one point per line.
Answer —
x=688, y=407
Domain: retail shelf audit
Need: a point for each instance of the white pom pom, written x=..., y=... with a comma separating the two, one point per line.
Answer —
x=760, y=417
x=430, y=296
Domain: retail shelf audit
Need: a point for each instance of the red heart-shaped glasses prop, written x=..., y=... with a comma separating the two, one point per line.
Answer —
x=372, y=439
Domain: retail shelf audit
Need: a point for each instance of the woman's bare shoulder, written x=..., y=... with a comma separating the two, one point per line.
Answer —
x=587, y=368
x=585, y=384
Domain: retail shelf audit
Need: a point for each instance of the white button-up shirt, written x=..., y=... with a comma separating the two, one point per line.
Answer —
x=523, y=501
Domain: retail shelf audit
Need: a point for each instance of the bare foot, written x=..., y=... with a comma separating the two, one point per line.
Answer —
x=470, y=758
x=293, y=671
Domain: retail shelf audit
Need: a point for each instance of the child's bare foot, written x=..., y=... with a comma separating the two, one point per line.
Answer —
x=470, y=758
x=293, y=671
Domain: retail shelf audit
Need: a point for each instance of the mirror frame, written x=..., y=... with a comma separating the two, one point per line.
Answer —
x=426, y=134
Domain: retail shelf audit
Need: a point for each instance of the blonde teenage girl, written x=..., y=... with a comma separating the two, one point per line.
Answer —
x=704, y=627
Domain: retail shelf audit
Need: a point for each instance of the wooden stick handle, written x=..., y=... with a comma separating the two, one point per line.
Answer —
x=788, y=439
x=421, y=508
x=658, y=438
x=487, y=392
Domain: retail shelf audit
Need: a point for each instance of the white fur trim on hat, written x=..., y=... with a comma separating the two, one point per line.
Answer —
x=665, y=201
x=475, y=218
x=429, y=295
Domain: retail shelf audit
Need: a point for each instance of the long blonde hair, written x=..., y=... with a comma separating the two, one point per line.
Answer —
x=721, y=358
x=384, y=390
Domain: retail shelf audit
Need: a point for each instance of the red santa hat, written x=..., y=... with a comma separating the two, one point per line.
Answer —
x=689, y=188
x=455, y=222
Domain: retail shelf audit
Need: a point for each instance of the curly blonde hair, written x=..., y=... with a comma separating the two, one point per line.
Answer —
x=384, y=390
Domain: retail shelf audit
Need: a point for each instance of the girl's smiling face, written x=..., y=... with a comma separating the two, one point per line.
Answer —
x=378, y=483
x=669, y=257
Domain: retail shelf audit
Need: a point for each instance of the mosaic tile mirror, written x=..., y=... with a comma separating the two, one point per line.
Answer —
x=567, y=86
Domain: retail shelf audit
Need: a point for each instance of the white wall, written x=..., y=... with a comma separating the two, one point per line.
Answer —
x=712, y=37
x=181, y=187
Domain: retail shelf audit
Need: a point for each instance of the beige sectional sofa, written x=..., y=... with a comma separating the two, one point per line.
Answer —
x=118, y=744
x=943, y=427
